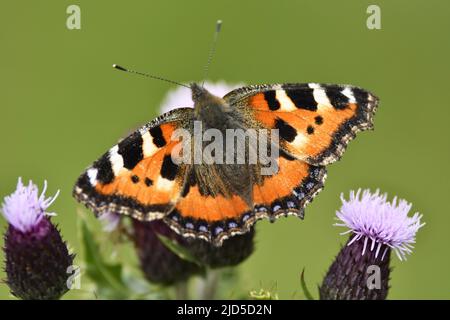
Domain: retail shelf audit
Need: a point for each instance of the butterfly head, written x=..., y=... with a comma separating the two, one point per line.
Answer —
x=198, y=92
x=204, y=101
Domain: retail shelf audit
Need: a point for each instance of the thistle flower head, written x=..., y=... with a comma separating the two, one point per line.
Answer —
x=161, y=265
x=25, y=208
x=379, y=222
x=36, y=256
x=158, y=263
x=181, y=97
x=232, y=252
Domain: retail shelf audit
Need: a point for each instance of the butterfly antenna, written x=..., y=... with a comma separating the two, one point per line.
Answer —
x=116, y=66
x=213, y=49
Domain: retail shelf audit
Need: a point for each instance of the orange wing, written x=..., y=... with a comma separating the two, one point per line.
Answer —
x=315, y=121
x=137, y=176
x=216, y=218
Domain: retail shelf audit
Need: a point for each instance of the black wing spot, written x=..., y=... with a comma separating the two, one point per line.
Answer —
x=169, y=170
x=134, y=178
x=285, y=155
x=158, y=138
x=287, y=132
x=303, y=99
x=271, y=100
x=105, y=174
x=310, y=130
x=148, y=182
x=191, y=181
x=361, y=96
x=318, y=120
x=337, y=98
x=131, y=150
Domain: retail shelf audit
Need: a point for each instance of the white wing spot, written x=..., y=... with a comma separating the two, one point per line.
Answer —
x=313, y=85
x=299, y=141
x=321, y=97
x=286, y=103
x=164, y=184
x=92, y=175
x=349, y=94
x=116, y=160
x=148, y=147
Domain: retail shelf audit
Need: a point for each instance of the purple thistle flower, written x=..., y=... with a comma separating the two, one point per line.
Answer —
x=377, y=227
x=379, y=222
x=24, y=208
x=36, y=256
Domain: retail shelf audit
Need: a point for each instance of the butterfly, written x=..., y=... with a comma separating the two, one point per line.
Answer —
x=138, y=177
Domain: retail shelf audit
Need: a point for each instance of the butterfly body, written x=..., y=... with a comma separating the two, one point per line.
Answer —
x=214, y=200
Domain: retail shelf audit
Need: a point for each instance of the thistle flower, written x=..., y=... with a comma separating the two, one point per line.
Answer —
x=158, y=263
x=36, y=256
x=378, y=222
x=377, y=227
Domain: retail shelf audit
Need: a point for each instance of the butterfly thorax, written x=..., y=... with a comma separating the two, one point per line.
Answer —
x=211, y=110
x=214, y=112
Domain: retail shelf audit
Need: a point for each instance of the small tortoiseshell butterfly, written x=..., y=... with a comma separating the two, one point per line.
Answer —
x=138, y=178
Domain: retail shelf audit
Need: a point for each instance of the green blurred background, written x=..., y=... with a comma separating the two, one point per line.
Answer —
x=62, y=105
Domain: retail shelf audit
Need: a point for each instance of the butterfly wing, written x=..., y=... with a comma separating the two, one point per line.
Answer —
x=315, y=121
x=136, y=177
x=217, y=217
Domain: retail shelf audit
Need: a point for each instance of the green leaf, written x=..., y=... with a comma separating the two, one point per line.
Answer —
x=107, y=277
x=306, y=292
x=178, y=249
